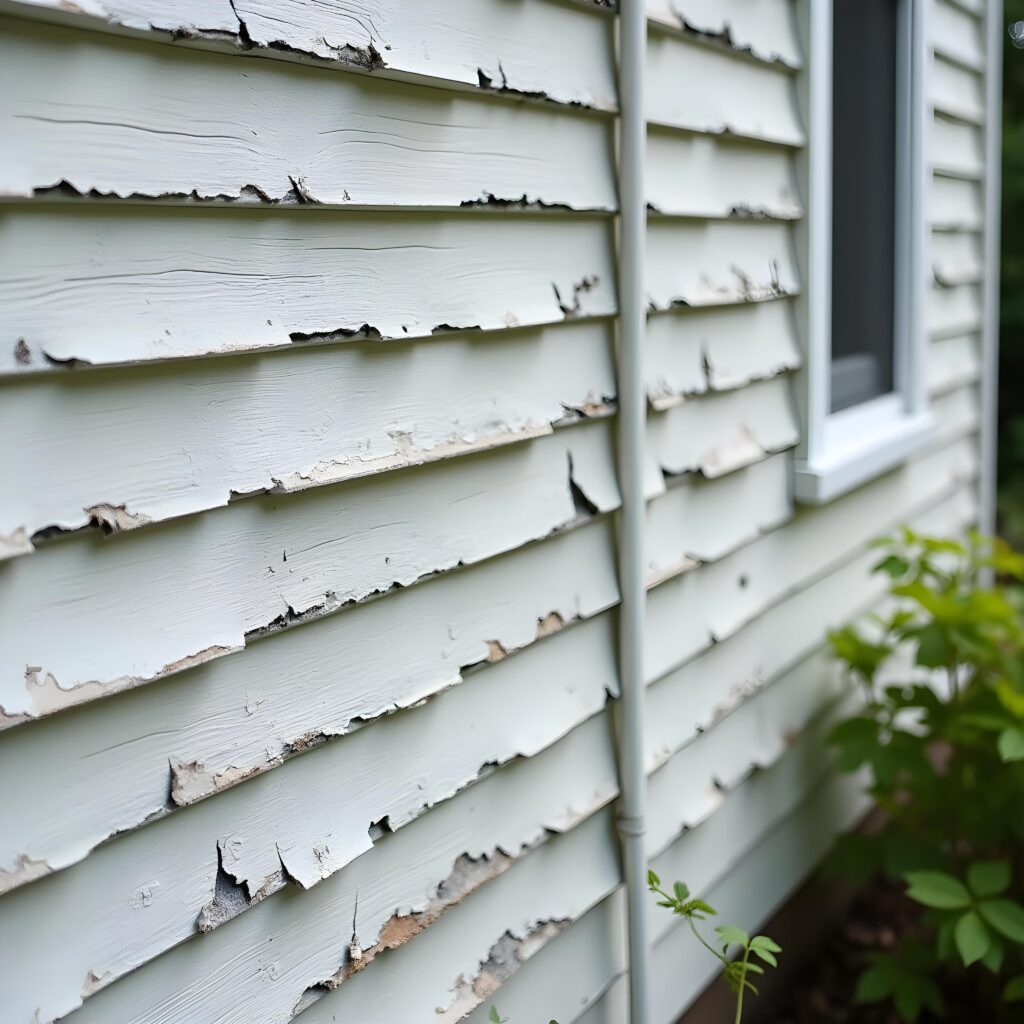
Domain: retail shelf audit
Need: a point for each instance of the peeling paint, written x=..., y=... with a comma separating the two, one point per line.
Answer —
x=410, y=749
x=694, y=264
x=693, y=351
x=386, y=36
x=45, y=695
x=523, y=202
x=159, y=306
x=233, y=723
x=191, y=1009
x=115, y=518
x=241, y=599
x=229, y=899
x=765, y=31
x=737, y=428
x=468, y=874
x=503, y=960
x=104, y=130
x=705, y=89
x=15, y=543
x=416, y=860
x=407, y=455
x=570, y=307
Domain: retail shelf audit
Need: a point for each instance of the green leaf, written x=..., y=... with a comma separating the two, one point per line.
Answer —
x=768, y=958
x=652, y=879
x=972, y=938
x=993, y=959
x=944, y=545
x=932, y=996
x=701, y=905
x=730, y=934
x=933, y=650
x=1010, y=698
x=1006, y=917
x=988, y=878
x=893, y=566
x=884, y=542
x=763, y=942
x=857, y=740
x=1011, y=744
x=733, y=974
x=874, y=985
x=1014, y=991
x=935, y=889
x=861, y=656
x=989, y=723
x=681, y=891
x=909, y=998
x=944, y=939
x=495, y=1017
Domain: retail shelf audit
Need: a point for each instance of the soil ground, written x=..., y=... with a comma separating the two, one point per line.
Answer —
x=877, y=918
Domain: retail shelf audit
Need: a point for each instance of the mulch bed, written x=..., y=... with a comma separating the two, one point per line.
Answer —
x=876, y=921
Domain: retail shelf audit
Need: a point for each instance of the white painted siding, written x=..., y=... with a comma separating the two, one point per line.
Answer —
x=309, y=484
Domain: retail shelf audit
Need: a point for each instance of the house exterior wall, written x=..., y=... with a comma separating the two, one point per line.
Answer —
x=308, y=614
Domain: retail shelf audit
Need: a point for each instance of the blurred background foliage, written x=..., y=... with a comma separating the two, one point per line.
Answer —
x=1011, y=345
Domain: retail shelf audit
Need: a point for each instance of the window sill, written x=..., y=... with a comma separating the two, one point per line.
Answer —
x=861, y=443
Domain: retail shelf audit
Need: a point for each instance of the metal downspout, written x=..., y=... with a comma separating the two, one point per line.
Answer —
x=990, y=325
x=632, y=420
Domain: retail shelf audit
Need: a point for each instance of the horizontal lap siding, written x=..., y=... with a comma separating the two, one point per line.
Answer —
x=84, y=284
x=267, y=562
x=483, y=44
x=398, y=276
x=728, y=584
x=954, y=311
x=779, y=819
x=308, y=356
x=585, y=794
x=357, y=141
x=406, y=404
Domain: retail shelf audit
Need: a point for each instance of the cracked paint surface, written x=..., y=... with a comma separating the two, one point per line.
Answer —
x=346, y=584
x=102, y=127
x=237, y=596
x=410, y=406
x=444, y=44
x=232, y=281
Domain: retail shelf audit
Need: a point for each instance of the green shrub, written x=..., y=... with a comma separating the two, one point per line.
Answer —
x=944, y=753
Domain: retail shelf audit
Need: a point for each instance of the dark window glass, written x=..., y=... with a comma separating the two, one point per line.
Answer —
x=863, y=199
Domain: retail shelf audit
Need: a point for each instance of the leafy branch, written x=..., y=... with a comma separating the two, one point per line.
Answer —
x=735, y=969
x=941, y=735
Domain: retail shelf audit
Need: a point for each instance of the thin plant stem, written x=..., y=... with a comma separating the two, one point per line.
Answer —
x=700, y=938
x=742, y=987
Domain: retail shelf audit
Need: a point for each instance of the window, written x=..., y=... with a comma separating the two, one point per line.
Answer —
x=863, y=389
x=863, y=200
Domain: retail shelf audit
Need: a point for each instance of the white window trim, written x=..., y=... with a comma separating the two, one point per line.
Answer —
x=842, y=450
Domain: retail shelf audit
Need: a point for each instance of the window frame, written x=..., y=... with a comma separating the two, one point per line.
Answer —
x=841, y=450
